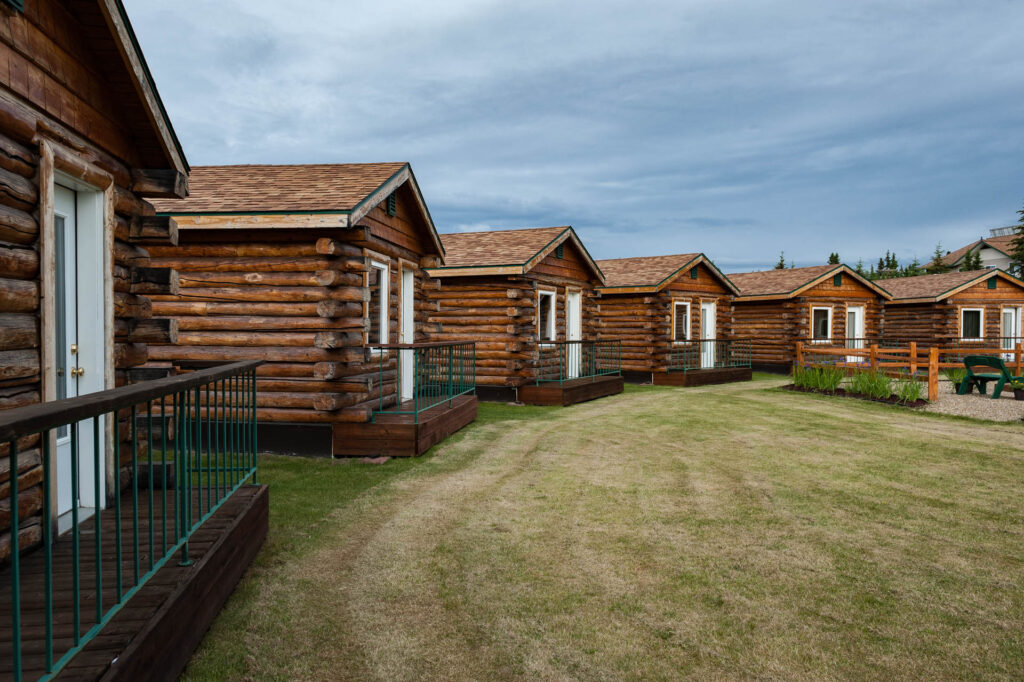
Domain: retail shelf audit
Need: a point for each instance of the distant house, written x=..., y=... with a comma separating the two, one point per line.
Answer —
x=980, y=306
x=318, y=270
x=822, y=304
x=994, y=249
x=673, y=317
x=528, y=299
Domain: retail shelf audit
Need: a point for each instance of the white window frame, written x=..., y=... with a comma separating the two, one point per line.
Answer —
x=828, y=309
x=382, y=338
x=981, y=324
x=552, y=318
x=689, y=321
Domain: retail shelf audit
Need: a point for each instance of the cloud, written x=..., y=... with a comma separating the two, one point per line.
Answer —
x=739, y=129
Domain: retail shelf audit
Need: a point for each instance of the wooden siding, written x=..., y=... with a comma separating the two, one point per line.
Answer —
x=774, y=326
x=63, y=107
x=295, y=298
x=500, y=314
x=939, y=323
x=643, y=322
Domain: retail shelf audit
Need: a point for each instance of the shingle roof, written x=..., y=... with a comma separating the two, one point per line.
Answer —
x=998, y=243
x=642, y=271
x=930, y=286
x=499, y=247
x=770, y=282
x=280, y=189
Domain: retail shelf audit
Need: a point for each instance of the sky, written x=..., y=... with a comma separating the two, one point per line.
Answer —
x=737, y=128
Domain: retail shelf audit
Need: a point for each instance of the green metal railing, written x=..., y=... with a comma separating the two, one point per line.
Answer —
x=198, y=430
x=563, y=361
x=687, y=356
x=425, y=376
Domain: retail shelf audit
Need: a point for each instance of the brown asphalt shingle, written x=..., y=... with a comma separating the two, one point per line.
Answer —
x=769, y=282
x=500, y=247
x=1000, y=243
x=642, y=272
x=266, y=188
x=928, y=286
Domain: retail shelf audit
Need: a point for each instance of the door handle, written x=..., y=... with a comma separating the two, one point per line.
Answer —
x=74, y=349
x=77, y=371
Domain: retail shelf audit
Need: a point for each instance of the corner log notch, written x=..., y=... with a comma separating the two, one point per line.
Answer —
x=163, y=183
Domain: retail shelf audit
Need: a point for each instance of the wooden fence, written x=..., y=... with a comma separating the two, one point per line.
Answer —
x=904, y=361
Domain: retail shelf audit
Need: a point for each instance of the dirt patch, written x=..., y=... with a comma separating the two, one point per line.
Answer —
x=843, y=393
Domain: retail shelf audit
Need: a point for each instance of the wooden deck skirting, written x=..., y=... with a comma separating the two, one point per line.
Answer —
x=155, y=633
x=570, y=392
x=400, y=435
x=703, y=377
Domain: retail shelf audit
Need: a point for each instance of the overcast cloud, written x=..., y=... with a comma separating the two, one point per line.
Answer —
x=733, y=128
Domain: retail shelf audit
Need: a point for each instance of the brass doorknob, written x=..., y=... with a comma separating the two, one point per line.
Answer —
x=77, y=371
x=74, y=349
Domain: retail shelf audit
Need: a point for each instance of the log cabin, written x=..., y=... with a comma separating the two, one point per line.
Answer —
x=821, y=304
x=85, y=145
x=319, y=271
x=980, y=307
x=528, y=298
x=673, y=318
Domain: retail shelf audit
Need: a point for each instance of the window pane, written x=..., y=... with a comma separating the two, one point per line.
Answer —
x=546, y=302
x=682, y=323
x=971, y=324
x=819, y=326
x=375, y=284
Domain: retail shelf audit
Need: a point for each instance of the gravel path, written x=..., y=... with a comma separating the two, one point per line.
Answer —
x=978, y=406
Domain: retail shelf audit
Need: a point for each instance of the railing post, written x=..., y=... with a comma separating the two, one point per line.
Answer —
x=451, y=377
x=933, y=374
x=873, y=358
x=1020, y=360
x=799, y=353
x=913, y=358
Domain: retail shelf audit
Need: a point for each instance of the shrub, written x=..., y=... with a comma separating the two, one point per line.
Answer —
x=956, y=375
x=871, y=383
x=909, y=389
x=825, y=379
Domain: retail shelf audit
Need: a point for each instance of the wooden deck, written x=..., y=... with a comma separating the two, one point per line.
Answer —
x=703, y=377
x=155, y=633
x=401, y=435
x=570, y=392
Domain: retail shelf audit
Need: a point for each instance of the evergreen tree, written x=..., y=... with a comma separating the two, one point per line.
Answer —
x=833, y=259
x=972, y=261
x=781, y=265
x=938, y=265
x=881, y=266
x=914, y=269
x=860, y=267
x=1017, y=248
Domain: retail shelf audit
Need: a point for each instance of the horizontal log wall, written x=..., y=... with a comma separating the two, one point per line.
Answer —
x=939, y=323
x=55, y=94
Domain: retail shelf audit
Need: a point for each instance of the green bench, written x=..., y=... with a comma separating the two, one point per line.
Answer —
x=999, y=374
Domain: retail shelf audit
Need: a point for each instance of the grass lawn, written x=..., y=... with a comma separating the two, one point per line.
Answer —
x=720, y=532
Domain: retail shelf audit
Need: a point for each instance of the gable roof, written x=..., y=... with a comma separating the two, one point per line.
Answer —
x=505, y=252
x=341, y=194
x=790, y=282
x=1000, y=244
x=934, y=288
x=652, y=273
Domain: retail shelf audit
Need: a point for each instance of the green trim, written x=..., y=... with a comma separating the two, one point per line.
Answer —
x=375, y=190
x=465, y=267
x=152, y=83
x=233, y=213
x=17, y=5
x=676, y=272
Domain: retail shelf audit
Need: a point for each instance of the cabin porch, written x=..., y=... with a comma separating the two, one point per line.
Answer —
x=432, y=396
x=570, y=372
x=705, y=362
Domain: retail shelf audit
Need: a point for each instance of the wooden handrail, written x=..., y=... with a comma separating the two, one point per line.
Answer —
x=23, y=421
x=422, y=344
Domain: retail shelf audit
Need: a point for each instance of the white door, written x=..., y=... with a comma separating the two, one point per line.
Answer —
x=854, y=331
x=1011, y=331
x=707, y=334
x=405, y=356
x=79, y=353
x=573, y=332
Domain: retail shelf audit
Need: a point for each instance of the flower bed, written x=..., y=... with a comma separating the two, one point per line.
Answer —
x=893, y=399
x=863, y=384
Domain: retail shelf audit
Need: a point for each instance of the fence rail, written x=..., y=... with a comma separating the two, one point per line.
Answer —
x=427, y=375
x=198, y=428
x=561, y=361
x=915, y=361
x=686, y=356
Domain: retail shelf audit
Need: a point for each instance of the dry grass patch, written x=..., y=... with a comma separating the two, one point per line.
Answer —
x=720, y=532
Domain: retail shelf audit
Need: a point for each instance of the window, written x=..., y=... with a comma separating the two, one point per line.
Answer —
x=695, y=272
x=821, y=324
x=837, y=279
x=546, y=316
x=992, y=283
x=377, y=308
x=680, y=321
x=972, y=323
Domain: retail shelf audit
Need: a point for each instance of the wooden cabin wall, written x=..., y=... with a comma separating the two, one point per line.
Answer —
x=295, y=298
x=643, y=322
x=938, y=323
x=499, y=313
x=54, y=98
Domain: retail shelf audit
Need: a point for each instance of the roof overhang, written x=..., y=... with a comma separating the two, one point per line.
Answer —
x=128, y=45
x=655, y=288
x=844, y=269
x=994, y=272
x=568, y=234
